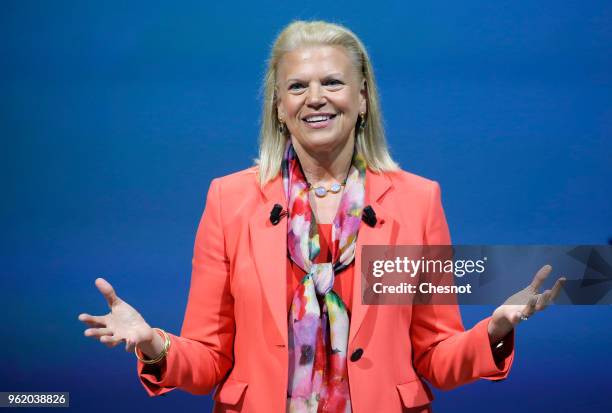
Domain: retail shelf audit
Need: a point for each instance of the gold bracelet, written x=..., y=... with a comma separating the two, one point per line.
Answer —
x=164, y=351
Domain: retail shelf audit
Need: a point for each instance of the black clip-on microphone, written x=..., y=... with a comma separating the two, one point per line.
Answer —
x=369, y=216
x=277, y=213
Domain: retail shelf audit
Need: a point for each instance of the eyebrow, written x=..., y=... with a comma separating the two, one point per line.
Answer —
x=335, y=74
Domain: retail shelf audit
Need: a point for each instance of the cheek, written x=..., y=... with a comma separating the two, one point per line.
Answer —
x=349, y=103
x=291, y=106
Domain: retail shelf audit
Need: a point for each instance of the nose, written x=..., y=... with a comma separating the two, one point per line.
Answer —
x=315, y=98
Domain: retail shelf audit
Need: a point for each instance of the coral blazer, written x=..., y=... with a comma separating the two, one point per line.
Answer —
x=234, y=335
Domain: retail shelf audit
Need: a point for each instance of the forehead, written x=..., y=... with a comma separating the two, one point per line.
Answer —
x=314, y=60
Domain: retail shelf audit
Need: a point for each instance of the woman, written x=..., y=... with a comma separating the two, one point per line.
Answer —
x=274, y=317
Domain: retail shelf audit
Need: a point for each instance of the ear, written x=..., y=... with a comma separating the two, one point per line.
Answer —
x=279, y=106
x=363, y=97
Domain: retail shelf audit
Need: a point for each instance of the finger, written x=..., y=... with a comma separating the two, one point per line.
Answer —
x=543, y=300
x=107, y=291
x=98, y=332
x=93, y=321
x=530, y=307
x=130, y=344
x=540, y=277
x=110, y=341
x=94, y=325
x=557, y=288
x=517, y=318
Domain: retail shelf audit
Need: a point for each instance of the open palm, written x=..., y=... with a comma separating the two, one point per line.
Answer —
x=523, y=304
x=122, y=324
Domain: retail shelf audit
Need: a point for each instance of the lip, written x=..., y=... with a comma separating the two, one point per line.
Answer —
x=322, y=124
x=319, y=114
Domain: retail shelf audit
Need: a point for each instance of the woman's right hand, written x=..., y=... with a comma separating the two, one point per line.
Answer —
x=122, y=323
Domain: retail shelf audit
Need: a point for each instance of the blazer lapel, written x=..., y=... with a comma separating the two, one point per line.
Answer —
x=269, y=247
x=383, y=233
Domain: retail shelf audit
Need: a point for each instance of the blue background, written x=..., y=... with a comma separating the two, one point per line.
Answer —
x=115, y=116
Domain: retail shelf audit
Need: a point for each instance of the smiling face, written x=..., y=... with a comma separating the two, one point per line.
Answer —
x=320, y=96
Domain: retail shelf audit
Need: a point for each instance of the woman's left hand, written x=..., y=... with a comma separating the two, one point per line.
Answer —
x=523, y=305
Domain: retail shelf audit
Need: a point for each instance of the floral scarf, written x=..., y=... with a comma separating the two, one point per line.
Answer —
x=318, y=322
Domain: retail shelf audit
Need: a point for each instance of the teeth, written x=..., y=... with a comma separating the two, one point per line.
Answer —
x=317, y=118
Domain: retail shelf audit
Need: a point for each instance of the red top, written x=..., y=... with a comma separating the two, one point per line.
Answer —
x=343, y=284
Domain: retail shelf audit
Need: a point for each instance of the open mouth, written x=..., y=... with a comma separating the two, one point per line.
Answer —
x=318, y=118
x=319, y=121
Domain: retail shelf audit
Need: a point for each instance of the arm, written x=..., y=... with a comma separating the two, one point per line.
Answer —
x=202, y=355
x=443, y=353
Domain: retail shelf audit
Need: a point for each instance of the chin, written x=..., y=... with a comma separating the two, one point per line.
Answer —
x=322, y=141
x=325, y=146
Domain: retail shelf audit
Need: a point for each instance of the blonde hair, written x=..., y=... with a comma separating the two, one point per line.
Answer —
x=371, y=142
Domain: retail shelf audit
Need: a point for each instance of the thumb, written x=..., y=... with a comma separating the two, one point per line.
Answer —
x=107, y=291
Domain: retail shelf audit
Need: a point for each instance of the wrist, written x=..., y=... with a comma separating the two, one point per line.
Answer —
x=152, y=347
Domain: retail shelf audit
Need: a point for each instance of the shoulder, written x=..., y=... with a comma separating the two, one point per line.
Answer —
x=240, y=180
x=414, y=200
x=236, y=195
x=409, y=184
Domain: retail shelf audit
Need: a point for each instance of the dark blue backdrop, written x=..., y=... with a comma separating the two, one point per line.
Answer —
x=115, y=116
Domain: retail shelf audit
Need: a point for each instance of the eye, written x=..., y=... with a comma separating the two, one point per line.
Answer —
x=296, y=86
x=334, y=82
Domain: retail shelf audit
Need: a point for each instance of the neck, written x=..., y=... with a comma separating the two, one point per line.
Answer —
x=322, y=167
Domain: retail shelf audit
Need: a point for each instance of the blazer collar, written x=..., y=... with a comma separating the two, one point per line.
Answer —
x=269, y=247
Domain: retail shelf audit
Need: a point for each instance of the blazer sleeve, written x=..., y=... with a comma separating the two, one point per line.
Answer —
x=443, y=352
x=202, y=355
